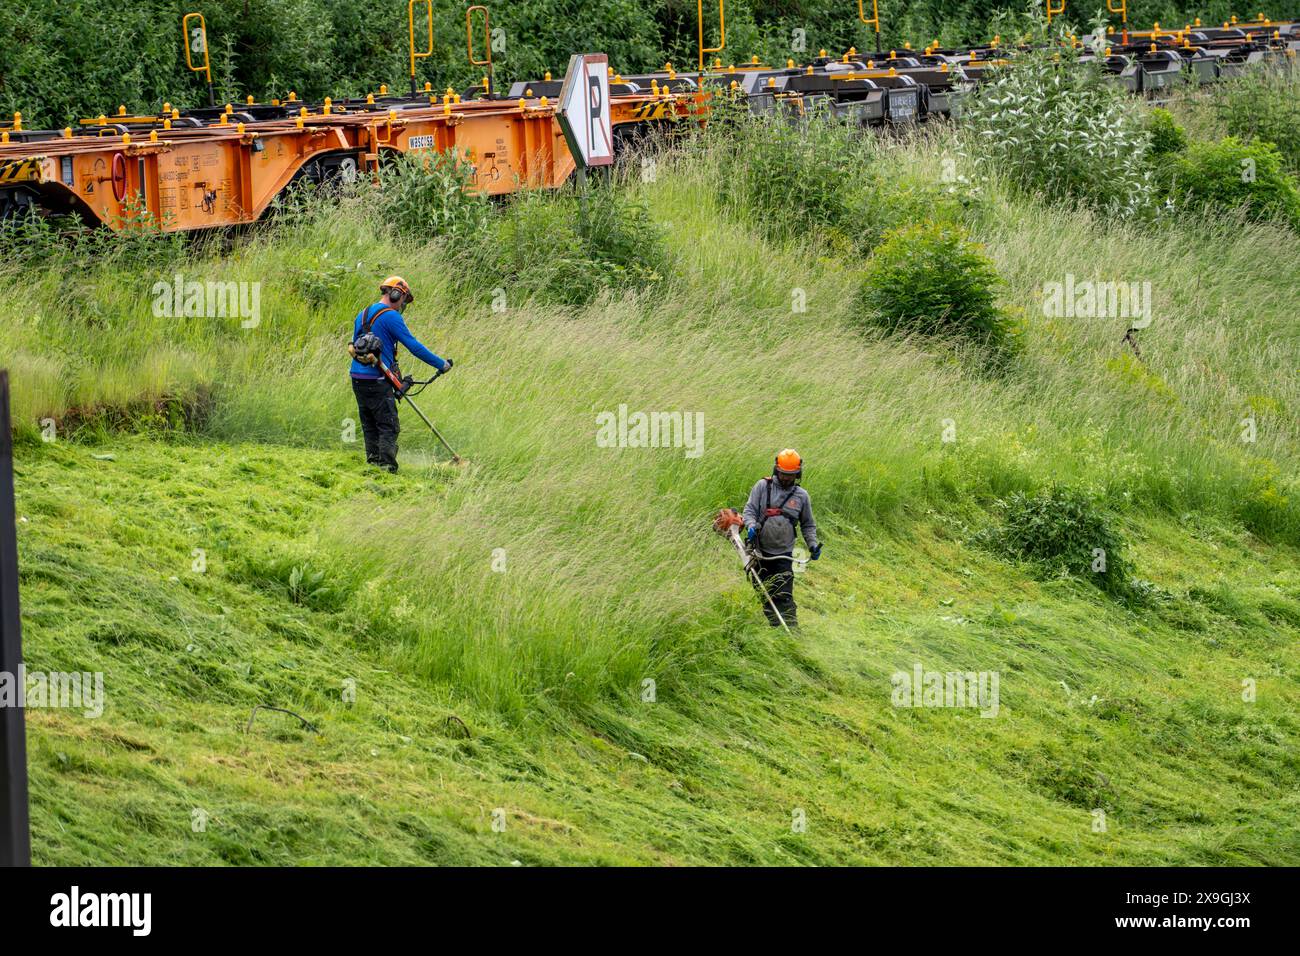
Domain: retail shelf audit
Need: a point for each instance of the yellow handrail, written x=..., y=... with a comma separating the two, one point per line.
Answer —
x=722, y=30
x=1122, y=10
x=875, y=18
x=410, y=21
x=487, y=38
x=1056, y=11
x=202, y=37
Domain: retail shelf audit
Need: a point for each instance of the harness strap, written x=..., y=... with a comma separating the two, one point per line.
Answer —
x=769, y=511
x=368, y=323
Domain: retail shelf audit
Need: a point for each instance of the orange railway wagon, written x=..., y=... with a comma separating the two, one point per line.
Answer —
x=213, y=167
x=228, y=172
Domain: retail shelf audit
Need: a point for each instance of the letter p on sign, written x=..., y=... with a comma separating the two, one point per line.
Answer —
x=584, y=110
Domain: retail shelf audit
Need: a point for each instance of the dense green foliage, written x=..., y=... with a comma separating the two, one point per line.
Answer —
x=1166, y=135
x=65, y=59
x=563, y=249
x=1262, y=106
x=424, y=194
x=823, y=176
x=1258, y=106
x=1230, y=175
x=1061, y=530
x=931, y=280
x=1055, y=127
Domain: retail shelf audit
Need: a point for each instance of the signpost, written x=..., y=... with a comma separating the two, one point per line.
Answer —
x=15, y=836
x=584, y=110
x=584, y=116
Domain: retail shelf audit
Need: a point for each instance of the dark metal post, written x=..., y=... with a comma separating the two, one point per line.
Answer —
x=15, y=834
x=581, y=174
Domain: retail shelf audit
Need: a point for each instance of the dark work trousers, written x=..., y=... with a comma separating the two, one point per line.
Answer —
x=777, y=575
x=377, y=406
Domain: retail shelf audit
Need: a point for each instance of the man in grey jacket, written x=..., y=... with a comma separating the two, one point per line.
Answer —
x=777, y=504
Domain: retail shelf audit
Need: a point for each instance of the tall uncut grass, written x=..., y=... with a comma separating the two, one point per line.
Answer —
x=612, y=571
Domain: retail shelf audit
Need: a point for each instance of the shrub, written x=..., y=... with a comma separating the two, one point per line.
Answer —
x=549, y=248
x=887, y=199
x=619, y=233
x=789, y=178
x=929, y=279
x=822, y=175
x=1060, y=530
x=535, y=251
x=1055, y=127
x=1231, y=174
x=424, y=196
x=1166, y=135
x=1263, y=105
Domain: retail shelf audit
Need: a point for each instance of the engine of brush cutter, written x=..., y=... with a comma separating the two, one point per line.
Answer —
x=727, y=519
x=366, y=348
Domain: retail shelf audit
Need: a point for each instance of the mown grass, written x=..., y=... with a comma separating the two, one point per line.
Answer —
x=1138, y=713
x=611, y=576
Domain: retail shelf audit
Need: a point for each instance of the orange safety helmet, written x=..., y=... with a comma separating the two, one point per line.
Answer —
x=398, y=283
x=788, y=462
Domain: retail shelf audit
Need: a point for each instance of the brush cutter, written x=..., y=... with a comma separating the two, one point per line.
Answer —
x=403, y=388
x=728, y=524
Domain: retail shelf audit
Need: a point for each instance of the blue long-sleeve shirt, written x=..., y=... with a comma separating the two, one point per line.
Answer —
x=391, y=329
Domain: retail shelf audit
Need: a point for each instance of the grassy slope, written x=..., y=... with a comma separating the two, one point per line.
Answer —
x=1188, y=773
x=613, y=576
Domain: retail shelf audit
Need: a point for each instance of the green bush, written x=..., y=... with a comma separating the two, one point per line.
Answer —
x=789, y=178
x=1231, y=174
x=619, y=233
x=550, y=248
x=1166, y=135
x=929, y=279
x=1060, y=530
x=423, y=196
x=536, y=252
x=820, y=175
x=1054, y=127
x=885, y=198
x=1263, y=105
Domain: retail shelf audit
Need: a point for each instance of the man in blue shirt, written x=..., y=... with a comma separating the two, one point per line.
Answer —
x=382, y=328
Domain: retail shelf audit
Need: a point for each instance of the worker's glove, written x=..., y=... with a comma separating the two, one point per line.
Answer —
x=447, y=368
x=751, y=533
x=815, y=553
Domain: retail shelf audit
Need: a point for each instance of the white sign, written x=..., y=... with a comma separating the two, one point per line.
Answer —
x=584, y=110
